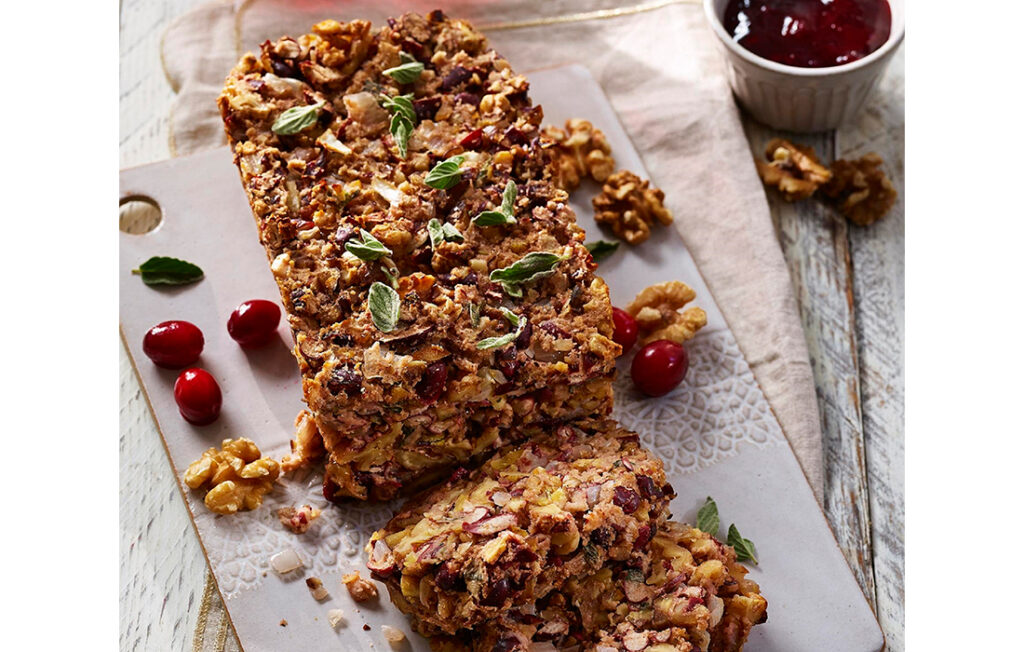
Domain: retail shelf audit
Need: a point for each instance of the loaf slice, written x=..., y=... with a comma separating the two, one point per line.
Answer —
x=687, y=595
x=340, y=199
x=535, y=515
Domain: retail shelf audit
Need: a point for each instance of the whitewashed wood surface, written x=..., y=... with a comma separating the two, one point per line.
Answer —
x=849, y=285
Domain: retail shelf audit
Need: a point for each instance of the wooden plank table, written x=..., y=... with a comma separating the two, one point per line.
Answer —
x=849, y=286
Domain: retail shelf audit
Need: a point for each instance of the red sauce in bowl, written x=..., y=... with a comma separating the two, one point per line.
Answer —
x=809, y=33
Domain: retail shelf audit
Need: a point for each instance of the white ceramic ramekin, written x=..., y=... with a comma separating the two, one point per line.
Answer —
x=802, y=99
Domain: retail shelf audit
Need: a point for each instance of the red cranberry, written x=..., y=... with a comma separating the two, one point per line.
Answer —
x=432, y=385
x=173, y=344
x=625, y=329
x=659, y=367
x=254, y=323
x=198, y=396
x=627, y=499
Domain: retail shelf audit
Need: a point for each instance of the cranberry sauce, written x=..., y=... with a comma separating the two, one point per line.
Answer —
x=809, y=33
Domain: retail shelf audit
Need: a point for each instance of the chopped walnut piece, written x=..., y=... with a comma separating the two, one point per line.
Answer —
x=307, y=445
x=236, y=477
x=392, y=635
x=794, y=169
x=298, y=519
x=316, y=588
x=630, y=206
x=657, y=313
x=860, y=189
x=580, y=150
x=361, y=590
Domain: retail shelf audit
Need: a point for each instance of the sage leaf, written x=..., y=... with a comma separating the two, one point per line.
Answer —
x=403, y=119
x=164, y=270
x=442, y=232
x=384, y=306
x=744, y=547
x=601, y=249
x=518, y=324
x=401, y=129
x=531, y=267
x=707, y=517
x=508, y=199
x=400, y=105
x=451, y=234
x=435, y=232
x=296, y=119
x=512, y=290
x=512, y=317
x=368, y=249
x=445, y=174
x=391, y=274
x=492, y=218
x=504, y=215
x=474, y=314
x=407, y=72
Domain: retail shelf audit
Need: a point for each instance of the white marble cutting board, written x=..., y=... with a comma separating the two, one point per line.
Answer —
x=715, y=432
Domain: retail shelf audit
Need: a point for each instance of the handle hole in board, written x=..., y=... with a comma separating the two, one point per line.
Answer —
x=139, y=215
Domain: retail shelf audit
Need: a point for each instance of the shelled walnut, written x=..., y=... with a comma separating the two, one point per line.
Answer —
x=236, y=476
x=630, y=207
x=860, y=189
x=580, y=150
x=307, y=444
x=657, y=313
x=793, y=169
x=361, y=590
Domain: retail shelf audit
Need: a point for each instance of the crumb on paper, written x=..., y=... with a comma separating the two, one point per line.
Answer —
x=657, y=310
x=285, y=561
x=792, y=169
x=237, y=476
x=860, y=189
x=630, y=206
x=298, y=519
x=307, y=444
x=366, y=628
x=316, y=588
x=283, y=623
x=392, y=635
x=361, y=590
x=580, y=150
x=335, y=617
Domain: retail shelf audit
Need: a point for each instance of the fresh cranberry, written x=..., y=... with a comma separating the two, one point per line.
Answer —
x=173, y=344
x=625, y=329
x=254, y=323
x=198, y=396
x=659, y=367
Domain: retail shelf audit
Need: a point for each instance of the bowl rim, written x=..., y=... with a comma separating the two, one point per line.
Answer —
x=895, y=37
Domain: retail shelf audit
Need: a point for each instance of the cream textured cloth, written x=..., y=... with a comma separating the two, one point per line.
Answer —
x=658, y=65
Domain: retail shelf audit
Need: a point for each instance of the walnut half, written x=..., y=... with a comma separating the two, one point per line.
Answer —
x=657, y=312
x=794, y=169
x=236, y=476
x=860, y=189
x=629, y=205
x=580, y=150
